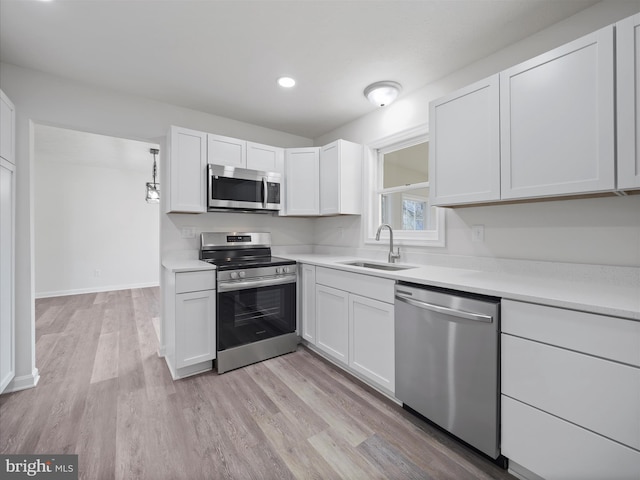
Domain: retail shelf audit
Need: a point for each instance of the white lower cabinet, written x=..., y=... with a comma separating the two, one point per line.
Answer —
x=371, y=340
x=553, y=448
x=195, y=340
x=570, y=384
x=190, y=322
x=354, y=324
x=307, y=302
x=332, y=322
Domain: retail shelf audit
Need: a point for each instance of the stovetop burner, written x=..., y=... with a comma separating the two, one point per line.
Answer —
x=234, y=251
x=234, y=263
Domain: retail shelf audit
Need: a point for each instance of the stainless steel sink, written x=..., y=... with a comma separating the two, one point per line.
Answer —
x=377, y=266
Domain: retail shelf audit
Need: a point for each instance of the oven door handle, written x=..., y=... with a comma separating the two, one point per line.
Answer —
x=231, y=286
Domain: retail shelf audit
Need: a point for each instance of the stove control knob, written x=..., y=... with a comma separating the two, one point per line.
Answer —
x=242, y=274
x=278, y=270
x=285, y=269
x=234, y=275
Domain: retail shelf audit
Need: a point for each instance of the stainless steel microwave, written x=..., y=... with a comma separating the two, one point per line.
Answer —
x=240, y=189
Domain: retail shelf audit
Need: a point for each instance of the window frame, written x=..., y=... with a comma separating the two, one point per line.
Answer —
x=373, y=189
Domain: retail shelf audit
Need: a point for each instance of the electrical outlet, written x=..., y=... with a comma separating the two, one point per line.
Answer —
x=188, y=232
x=97, y=273
x=477, y=233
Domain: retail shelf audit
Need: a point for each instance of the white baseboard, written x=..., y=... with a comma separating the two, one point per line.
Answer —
x=23, y=382
x=79, y=291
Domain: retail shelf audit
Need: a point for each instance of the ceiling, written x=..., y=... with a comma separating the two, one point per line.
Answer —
x=223, y=57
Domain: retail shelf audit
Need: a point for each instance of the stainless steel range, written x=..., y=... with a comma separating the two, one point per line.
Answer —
x=256, y=298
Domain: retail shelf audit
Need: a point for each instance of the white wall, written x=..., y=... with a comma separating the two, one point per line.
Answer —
x=592, y=231
x=50, y=100
x=94, y=231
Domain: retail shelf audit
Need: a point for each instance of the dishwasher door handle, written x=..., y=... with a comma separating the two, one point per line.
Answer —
x=476, y=317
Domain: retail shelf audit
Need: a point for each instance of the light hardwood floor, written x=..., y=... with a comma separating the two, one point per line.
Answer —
x=106, y=395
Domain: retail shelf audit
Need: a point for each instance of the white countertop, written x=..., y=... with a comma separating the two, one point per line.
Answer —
x=602, y=298
x=176, y=265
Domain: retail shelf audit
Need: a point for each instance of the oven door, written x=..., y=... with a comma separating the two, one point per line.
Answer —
x=230, y=188
x=253, y=310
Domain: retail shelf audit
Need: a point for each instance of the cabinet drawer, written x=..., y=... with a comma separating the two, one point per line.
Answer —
x=607, y=337
x=195, y=281
x=364, y=285
x=555, y=449
x=597, y=394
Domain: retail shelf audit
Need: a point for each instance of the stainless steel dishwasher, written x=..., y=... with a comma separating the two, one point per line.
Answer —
x=447, y=361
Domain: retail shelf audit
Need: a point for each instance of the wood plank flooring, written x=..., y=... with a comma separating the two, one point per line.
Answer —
x=105, y=395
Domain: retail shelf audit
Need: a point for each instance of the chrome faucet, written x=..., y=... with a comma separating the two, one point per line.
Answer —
x=393, y=256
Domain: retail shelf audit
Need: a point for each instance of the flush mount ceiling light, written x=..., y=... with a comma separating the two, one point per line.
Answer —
x=382, y=93
x=153, y=192
x=286, y=82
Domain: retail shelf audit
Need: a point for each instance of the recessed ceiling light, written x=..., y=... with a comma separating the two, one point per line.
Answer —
x=286, y=82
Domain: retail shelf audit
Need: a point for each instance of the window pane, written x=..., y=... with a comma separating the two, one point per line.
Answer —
x=406, y=166
x=407, y=210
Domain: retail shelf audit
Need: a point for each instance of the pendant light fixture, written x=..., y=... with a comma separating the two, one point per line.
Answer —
x=382, y=93
x=153, y=192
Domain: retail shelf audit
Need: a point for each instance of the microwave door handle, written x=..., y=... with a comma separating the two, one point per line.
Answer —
x=265, y=192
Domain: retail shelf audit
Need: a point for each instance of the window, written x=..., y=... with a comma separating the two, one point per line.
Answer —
x=399, y=187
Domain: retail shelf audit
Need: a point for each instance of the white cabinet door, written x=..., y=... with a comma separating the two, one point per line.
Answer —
x=330, y=179
x=341, y=178
x=628, y=101
x=597, y=394
x=7, y=129
x=265, y=158
x=464, y=145
x=7, y=276
x=195, y=327
x=332, y=322
x=187, y=170
x=227, y=151
x=555, y=449
x=308, y=302
x=557, y=121
x=371, y=338
x=302, y=181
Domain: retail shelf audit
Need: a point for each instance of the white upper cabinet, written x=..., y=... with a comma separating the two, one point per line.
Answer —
x=341, y=178
x=324, y=180
x=227, y=151
x=238, y=153
x=628, y=102
x=557, y=121
x=187, y=171
x=302, y=184
x=464, y=143
x=265, y=158
x=7, y=129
